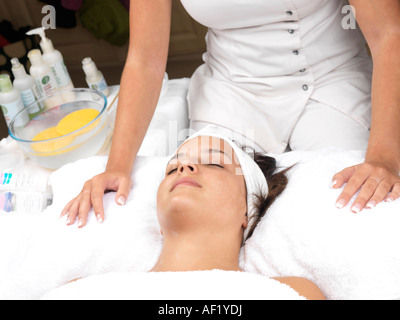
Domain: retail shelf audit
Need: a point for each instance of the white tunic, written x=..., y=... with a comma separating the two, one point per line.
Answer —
x=266, y=59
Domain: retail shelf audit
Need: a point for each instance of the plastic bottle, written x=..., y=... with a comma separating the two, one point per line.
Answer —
x=24, y=202
x=24, y=193
x=94, y=77
x=11, y=102
x=41, y=72
x=26, y=86
x=54, y=59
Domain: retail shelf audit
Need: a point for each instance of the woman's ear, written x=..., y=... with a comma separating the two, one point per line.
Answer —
x=245, y=223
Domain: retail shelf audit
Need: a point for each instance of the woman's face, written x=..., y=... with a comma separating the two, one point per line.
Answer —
x=203, y=190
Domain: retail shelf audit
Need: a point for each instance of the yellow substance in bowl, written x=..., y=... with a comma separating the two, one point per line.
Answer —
x=76, y=120
x=50, y=147
x=70, y=123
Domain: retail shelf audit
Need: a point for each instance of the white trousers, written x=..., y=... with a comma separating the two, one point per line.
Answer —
x=320, y=126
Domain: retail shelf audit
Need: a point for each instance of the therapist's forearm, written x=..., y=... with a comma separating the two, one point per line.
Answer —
x=139, y=94
x=384, y=142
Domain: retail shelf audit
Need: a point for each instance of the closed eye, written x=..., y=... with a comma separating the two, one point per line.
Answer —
x=214, y=164
x=172, y=171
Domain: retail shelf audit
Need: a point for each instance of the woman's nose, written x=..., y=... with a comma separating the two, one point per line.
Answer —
x=187, y=165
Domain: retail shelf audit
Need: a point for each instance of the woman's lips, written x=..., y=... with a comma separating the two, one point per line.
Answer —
x=185, y=182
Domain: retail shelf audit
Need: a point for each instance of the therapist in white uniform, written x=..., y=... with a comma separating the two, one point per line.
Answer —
x=286, y=74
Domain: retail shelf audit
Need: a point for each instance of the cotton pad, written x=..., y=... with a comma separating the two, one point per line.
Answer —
x=77, y=120
x=52, y=146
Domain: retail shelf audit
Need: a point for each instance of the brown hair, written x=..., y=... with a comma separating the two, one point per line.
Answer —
x=277, y=182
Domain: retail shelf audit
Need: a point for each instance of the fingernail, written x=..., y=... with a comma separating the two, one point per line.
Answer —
x=333, y=183
x=99, y=219
x=121, y=201
x=371, y=204
x=390, y=199
x=356, y=208
x=80, y=223
x=340, y=204
x=68, y=221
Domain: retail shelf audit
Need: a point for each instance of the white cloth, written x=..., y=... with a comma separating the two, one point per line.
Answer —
x=256, y=183
x=266, y=59
x=347, y=255
x=195, y=285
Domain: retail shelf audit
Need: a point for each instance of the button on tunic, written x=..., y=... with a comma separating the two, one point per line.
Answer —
x=266, y=59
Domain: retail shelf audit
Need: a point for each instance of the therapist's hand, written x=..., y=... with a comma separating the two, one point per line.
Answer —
x=377, y=181
x=92, y=196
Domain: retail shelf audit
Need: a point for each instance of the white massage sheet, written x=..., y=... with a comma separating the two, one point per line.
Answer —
x=349, y=256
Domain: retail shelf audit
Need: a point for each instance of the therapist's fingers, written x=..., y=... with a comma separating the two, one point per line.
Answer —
x=92, y=196
x=354, y=177
x=381, y=193
x=374, y=181
x=342, y=177
x=125, y=185
x=73, y=211
x=394, y=194
x=73, y=208
x=372, y=192
x=66, y=208
x=84, y=208
x=97, y=196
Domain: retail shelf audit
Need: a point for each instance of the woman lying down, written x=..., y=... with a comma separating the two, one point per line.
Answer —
x=211, y=199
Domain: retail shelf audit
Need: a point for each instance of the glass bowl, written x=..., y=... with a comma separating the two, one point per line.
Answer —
x=45, y=137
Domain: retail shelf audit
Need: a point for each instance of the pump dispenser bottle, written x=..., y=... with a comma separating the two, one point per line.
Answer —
x=26, y=86
x=41, y=72
x=10, y=102
x=94, y=77
x=54, y=59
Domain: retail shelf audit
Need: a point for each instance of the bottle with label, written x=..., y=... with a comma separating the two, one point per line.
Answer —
x=54, y=59
x=11, y=102
x=23, y=202
x=41, y=72
x=94, y=77
x=24, y=193
x=26, y=86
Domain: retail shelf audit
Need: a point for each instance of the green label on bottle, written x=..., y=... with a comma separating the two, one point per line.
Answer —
x=45, y=80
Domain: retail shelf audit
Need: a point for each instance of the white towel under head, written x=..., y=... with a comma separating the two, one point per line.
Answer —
x=255, y=180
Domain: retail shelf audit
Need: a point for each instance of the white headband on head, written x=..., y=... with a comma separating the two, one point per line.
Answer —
x=253, y=176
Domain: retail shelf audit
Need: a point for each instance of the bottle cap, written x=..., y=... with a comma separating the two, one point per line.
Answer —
x=35, y=56
x=17, y=68
x=89, y=67
x=15, y=63
x=5, y=83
